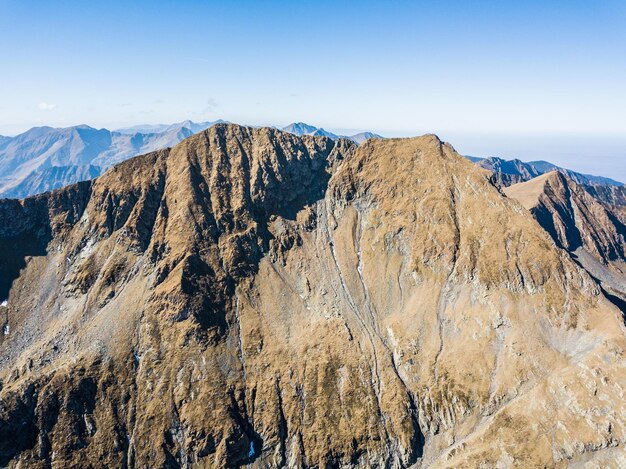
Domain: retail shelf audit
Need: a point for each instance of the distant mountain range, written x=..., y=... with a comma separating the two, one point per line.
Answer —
x=195, y=127
x=43, y=180
x=300, y=128
x=46, y=158
x=509, y=172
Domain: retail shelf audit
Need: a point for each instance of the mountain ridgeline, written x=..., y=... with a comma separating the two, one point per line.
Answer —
x=507, y=172
x=593, y=232
x=253, y=297
x=46, y=158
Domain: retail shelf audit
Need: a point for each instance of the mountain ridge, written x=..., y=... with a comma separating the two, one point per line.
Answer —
x=300, y=128
x=29, y=156
x=580, y=224
x=254, y=297
x=507, y=172
x=35, y=156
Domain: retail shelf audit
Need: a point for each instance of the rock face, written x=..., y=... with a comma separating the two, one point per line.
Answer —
x=254, y=297
x=613, y=196
x=578, y=222
x=572, y=216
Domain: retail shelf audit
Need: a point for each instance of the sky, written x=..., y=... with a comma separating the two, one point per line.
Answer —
x=515, y=79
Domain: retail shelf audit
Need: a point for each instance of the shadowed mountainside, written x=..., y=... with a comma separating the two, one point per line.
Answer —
x=591, y=231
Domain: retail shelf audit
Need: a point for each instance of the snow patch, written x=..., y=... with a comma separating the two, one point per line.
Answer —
x=6, y=329
x=5, y=303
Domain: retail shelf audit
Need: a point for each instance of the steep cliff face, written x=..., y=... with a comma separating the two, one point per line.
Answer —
x=613, y=196
x=254, y=297
x=578, y=222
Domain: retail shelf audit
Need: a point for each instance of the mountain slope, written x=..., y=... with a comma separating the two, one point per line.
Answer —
x=43, y=180
x=572, y=216
x=579, y=223
x=613, y=196
x=250, y=296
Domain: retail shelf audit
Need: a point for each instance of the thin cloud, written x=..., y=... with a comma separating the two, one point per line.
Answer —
x=210, y=106
x=44, y=106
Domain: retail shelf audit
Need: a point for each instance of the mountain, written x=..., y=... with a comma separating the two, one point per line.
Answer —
x=30, y=156
x=255, y=297
x=300, y=128
x=507, y=172
x=195, y=127
x=614, y=196
x=43, y=180
x=361, y=137
x=579, y=223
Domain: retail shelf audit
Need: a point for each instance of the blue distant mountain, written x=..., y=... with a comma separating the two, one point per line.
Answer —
x=508, y=172
x=46, y=158
x=43, y=180
x=195, y=127
x=27, y=160
x=300, y=128
x=4, y=140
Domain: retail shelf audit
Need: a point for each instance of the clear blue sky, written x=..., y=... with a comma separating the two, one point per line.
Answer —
x=474, y=71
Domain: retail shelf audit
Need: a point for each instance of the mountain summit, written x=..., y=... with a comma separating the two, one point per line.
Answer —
x=255, y=297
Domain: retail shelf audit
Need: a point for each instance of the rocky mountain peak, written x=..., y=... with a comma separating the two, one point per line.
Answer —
x=256, y=297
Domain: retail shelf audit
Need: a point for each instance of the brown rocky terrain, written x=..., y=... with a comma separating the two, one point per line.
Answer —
x=578, y=222
x=254, y=297
x=612, y=196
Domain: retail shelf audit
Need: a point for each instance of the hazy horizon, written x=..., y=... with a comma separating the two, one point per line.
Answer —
x=596, y=154
x=490, y=78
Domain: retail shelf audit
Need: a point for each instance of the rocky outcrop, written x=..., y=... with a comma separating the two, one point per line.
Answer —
x=254, y=297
